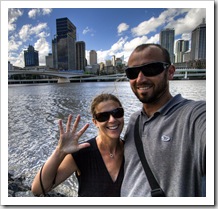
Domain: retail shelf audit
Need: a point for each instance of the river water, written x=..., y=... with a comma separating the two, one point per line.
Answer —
x=34, y=111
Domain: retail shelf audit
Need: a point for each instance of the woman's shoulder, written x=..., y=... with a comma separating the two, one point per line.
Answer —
x=92, y=146
x=91, y=141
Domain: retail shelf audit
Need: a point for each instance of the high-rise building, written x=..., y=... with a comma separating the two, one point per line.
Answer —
x=181, y=47
x=113, y=60
x=185, y=45
x=64, y=45
x=31, y=57
x=49, y=60
x=167, y=41
x=80, y=55
x=198, y=42
x=92, y=57
x=10, y=66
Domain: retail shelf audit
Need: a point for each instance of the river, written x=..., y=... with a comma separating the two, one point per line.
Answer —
x=34, y=111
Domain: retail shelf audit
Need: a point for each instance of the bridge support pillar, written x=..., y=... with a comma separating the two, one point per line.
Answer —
x=186, y=75
x=63, y=80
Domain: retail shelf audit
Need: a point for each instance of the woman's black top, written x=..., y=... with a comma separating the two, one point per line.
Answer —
x=94, y=180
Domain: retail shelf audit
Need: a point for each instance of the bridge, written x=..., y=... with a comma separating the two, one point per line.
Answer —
x=73, y=76
x=61, y=74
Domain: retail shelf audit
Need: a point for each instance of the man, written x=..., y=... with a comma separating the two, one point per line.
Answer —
x=172, y=130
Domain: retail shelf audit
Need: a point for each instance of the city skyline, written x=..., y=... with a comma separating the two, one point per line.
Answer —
x=118, y=36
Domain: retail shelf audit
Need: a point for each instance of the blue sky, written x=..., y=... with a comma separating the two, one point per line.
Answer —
x=109, y=31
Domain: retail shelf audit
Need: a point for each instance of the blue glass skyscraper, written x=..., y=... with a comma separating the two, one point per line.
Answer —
x=167, y=41
x=31, y=57
x=64, y=45
x=198, y=42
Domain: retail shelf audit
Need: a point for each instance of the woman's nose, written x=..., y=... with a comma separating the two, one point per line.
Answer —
x=111, y=118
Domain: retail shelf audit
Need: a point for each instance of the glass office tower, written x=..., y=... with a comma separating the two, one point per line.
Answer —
x=167, y=41
x=31, y=57
x=198, y=42
x=80, y=55
x=64, y=45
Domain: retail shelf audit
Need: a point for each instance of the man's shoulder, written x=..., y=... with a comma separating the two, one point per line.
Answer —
x=136, y=113
x=193, y=105
x=188, y=104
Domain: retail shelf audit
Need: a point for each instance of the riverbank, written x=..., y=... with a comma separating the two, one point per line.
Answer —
x=16, y=188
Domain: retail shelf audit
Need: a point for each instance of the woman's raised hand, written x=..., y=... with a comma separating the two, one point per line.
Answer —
x=68, y=141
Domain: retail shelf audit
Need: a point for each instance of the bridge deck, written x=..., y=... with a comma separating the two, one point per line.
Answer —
x=79, y=77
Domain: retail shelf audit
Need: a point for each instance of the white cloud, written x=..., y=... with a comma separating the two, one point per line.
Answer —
x=186, y=36
x=17, y=58
x=103, y=55
x=46, y=11
x=14, y=45
x=189, y=22
x=125, y=47
x=27, y=31
x=118, y=45
x=43, y=34
x=116, y=49
x=146, y=27
x=24, y=32
x=38, y=28
x=42, y=46
x=88, y=30
x=13, y=15
x=167, y=19
x=38, y=12
x=33, y=13
x=122, y=27
x=121, y=47
x=151, y=25
x=130, y=45
x=153, y=39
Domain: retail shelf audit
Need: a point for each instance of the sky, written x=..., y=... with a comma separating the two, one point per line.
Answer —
x=108, y=31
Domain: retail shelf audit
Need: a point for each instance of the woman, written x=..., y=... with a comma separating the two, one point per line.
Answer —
x=98, y=163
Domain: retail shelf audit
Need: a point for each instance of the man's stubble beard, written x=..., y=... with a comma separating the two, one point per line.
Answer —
x=161, y=89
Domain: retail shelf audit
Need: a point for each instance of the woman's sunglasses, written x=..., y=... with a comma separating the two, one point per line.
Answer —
x=149, y=69
x=104, y=116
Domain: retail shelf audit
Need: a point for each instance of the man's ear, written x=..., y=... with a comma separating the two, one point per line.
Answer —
x=171, y=71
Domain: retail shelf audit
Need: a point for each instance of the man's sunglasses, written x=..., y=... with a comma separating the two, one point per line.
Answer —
x=104, y=116
x=149, y=69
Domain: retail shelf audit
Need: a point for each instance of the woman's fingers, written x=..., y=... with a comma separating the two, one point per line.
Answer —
x=74, y=128
x=69, y=123
x=75, y=125
x=69, y=139
x=83, y=129
x=60, y=126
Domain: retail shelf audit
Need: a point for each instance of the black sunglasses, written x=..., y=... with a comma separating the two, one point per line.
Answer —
x=149, y=69
x=104, y=116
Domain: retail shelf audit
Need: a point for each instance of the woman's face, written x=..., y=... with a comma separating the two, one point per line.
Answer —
x=112, y=127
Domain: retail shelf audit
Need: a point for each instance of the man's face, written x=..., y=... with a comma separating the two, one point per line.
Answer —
x=148, y=89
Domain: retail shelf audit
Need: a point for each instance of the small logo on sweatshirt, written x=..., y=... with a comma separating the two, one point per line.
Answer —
x=165, y=138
